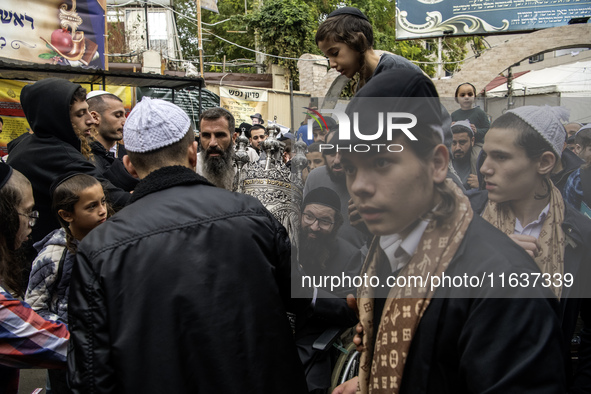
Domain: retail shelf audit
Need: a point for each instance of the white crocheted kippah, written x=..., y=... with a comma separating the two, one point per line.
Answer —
x=153, y=124
x=547, y=121
x=96, y=93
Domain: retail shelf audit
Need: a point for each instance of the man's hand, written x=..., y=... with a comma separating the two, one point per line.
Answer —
x=527, y=242
x=473, y=181
x=358, y=338
x=349, y=387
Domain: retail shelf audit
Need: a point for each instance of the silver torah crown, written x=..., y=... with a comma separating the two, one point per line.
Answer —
x=277, y=187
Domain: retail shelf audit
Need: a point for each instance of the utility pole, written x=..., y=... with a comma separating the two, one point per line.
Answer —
x=439, y=60
x=260, y=58
x=199, y=37
x=510, y=88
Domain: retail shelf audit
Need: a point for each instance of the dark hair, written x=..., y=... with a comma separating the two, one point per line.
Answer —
x=65, y=196
x=79, y=95
x=1, y=120
x=353, y=31
x=259, y=126
x=526, y=138
x=583, y=138
x=11, y=261
x=215, y=114
x=462, y=129
x=98, y=104
x=165, y=156
x=344, y=28
x=462, y=84
x=315, y=147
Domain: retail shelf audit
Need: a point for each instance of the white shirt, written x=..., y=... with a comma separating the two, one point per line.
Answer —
x=534, y=228
x=399, y=250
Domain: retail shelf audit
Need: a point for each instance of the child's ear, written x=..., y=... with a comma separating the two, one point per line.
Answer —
x=578, y=149
x=67, y=216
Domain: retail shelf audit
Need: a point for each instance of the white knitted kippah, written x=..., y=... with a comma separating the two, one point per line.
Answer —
x=463, y=124
x=547, y=121
x=96, y=93
x=153, y=124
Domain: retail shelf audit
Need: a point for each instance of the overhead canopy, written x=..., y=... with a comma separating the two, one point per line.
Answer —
x=568, y=79
x=36, y=72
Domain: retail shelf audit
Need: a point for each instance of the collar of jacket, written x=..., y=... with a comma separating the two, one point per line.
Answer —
x=99, y=149
x=165, y=178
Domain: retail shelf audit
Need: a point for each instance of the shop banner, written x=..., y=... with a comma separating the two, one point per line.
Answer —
x=244, y=102
x=187, y=99
x=437, y=18
x=65, y=32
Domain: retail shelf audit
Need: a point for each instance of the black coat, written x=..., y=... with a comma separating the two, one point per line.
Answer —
x=112, y=168
x=479, y=343
x=53, y=150
x=183, y=291
x=575, y=301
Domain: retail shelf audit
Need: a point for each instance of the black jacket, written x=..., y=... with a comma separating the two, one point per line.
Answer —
x=53, y=150
x=112, y=168
x=183, y=291
x=575, y=301
x=480, y=343
x=570, y=162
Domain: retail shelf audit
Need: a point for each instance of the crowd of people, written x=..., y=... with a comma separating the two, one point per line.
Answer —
x=129, y=263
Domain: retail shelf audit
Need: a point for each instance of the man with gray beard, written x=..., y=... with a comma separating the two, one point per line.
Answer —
x=215, y=162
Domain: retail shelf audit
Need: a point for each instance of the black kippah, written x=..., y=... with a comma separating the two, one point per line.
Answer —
x=323, y=196
x=348, y=11
x=61, y=179
x=5, y=173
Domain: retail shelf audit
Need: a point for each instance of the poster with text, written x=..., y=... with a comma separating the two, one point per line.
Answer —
x=244, y=102
x=437, y=18
x=63, y=32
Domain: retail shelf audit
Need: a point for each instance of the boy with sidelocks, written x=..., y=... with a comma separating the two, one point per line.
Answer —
x=425, y=338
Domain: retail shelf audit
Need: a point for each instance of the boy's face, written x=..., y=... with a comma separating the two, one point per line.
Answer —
x=315, y=160
x=256, y=137
x=465, y=97
x=341, y=57
x=392, y=190
x=509, y=174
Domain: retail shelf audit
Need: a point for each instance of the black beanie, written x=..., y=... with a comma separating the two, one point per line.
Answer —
x=5, y=173
x=348, y=11
x=323, y=196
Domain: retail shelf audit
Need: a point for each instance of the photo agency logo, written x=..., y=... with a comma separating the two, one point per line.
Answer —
x=387, y=122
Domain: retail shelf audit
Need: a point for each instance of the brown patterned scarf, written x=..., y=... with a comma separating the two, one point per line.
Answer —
x=381, y=368
x=551, y=239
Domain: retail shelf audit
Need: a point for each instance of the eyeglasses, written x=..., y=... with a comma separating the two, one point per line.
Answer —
x=311, y=219
x=33, y=216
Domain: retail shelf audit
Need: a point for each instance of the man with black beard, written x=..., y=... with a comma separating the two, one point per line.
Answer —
x=215, y=162
x=465, y=154
x=322, y=252
x=332, y=176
